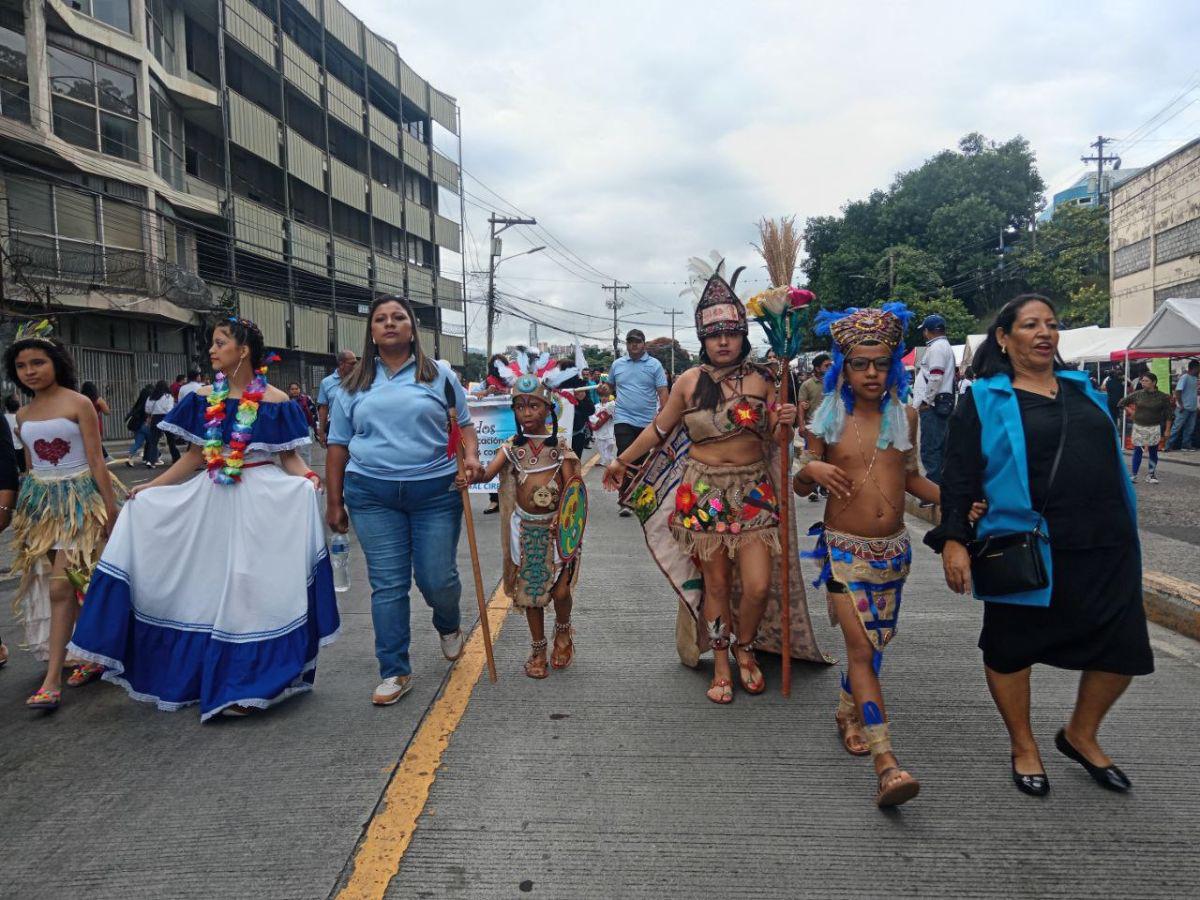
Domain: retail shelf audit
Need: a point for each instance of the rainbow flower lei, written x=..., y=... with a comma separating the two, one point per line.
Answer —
x=226, y=468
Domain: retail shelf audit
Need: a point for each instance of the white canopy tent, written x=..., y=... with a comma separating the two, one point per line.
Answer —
x=1173, y=330
x=1099, y=345
x=1072, y=343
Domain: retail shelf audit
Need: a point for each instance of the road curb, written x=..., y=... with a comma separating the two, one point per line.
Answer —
x=1170, y=602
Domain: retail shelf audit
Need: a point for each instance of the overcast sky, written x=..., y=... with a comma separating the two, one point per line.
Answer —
x=641, y=133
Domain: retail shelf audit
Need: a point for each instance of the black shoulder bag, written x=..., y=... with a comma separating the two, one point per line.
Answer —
x=1012, y=563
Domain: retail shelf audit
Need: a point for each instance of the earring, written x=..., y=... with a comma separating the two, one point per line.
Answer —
x=1004, y=350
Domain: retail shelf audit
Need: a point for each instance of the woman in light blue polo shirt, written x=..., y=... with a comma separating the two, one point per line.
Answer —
x=388, y=471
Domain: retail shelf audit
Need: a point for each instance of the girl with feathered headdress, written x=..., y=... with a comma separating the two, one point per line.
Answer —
x=538, y=472
x=66, y=506
x=861, y=449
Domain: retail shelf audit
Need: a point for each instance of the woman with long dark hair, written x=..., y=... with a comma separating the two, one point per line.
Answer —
x=65, y=509
x=726, y=514
x=234, y=623
x=158, y=405
x=1036, y=442
x=388, y=471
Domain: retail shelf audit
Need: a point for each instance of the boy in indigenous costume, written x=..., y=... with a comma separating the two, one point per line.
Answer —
x=543, y=510
x=861, y=448
x=707, y=500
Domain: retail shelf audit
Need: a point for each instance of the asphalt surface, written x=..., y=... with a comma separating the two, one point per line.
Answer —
x=615, y=778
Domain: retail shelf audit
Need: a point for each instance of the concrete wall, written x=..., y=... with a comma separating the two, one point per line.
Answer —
x=1154, y=237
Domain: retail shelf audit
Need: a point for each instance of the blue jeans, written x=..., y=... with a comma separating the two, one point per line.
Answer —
x=141, y=438
x=933, y=443
x=1181, y=433
x=408, y=529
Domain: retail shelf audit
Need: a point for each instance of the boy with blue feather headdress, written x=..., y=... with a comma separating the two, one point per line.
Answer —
x=861, y=448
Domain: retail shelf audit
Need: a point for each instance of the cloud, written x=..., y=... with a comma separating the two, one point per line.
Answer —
x=641, y=133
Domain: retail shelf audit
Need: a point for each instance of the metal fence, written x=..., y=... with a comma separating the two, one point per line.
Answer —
x=120, y=375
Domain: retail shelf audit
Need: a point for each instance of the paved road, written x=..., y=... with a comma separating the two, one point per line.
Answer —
x=614, y=779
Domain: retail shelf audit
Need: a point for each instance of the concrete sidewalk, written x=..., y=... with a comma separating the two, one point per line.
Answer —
x=618, y=778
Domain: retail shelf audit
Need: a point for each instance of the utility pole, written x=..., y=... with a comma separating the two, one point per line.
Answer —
x=615, y=304
x=494, y=254
x=1100, y=159
x=673, y=313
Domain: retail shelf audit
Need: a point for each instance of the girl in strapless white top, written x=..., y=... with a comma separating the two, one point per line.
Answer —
x=64, y=511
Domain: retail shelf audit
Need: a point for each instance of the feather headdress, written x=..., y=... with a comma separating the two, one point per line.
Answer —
x=35, y=331
x=849, y=328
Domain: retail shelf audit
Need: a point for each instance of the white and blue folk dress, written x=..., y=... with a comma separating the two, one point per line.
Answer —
x=216, y=594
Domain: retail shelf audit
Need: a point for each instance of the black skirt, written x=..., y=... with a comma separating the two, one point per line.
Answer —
x=1095, y=620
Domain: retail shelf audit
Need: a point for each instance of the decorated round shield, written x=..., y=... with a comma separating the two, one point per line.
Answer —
x=572, y=518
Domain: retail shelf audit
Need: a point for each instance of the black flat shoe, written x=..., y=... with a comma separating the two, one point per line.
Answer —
x=1109, y=777
x=1034, y=785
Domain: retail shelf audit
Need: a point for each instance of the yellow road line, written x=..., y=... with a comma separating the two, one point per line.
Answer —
x=391, y=829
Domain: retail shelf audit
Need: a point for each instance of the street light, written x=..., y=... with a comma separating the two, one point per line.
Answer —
x=514, y=256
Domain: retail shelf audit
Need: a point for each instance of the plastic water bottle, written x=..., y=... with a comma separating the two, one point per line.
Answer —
x=339, y=558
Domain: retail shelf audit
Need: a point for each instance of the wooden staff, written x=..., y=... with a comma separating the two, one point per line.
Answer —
x=785, y=533
x=469, y=517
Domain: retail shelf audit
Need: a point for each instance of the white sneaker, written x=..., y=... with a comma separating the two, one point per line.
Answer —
x=452, y=644
x=391, y=689
x=1153, y=479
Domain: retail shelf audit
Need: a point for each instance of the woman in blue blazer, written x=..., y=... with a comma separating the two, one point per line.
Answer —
x=1001, y=446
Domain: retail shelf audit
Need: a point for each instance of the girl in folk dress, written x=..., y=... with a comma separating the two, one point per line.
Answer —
x=66, y=505
x=236, y=621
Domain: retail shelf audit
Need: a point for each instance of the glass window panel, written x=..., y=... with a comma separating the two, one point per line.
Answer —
x=14, y=100
x=75, y=123
x=12, y=55
x=80, y=262
x=76, y=214
x=29, y=205
x=114, y=12
x=122, y=225
x=71, y=75
x=118, y=136
x=118, y=90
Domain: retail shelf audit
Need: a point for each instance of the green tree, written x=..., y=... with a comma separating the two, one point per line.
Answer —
x=660, y=349
x=959, y=321
x=474, y=366
x=1089, y=305
x=598, y=357
x=1070, y=264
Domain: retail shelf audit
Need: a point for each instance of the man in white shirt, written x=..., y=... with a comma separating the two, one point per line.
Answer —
x=937, y=401
x=190, y=386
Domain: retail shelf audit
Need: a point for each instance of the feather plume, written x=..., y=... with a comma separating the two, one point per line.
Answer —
x=699, y=271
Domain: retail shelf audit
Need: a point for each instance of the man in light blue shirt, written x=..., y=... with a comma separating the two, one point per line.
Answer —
x=1185, y=409
x=641, y=384
x=330, y=385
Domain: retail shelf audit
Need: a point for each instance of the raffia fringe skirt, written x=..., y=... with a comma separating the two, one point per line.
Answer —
x=54, y=513
x=719, y=508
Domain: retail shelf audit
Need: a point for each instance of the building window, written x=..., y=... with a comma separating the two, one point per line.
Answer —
x=94, y=105
x=416, y=188
x=417, y=254
x=14, y=75
x=58, y=232
x=167, y=125
x=350, y=223
x=111, y=12
x=160, y=32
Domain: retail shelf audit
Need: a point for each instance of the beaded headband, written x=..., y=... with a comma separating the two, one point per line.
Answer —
x=863, y=326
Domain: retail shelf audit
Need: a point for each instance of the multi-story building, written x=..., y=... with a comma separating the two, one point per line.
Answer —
x=165, y=160
x=1154, y=236
x=1084, y=191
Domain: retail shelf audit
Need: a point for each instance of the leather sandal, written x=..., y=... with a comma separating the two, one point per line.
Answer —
x=536, y=666
x=849, y=727
x=561, y=658
x=723, y=689
x=751, y=675
x=895, y=787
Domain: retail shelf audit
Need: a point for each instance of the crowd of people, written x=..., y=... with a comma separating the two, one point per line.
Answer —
x=236, y=626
